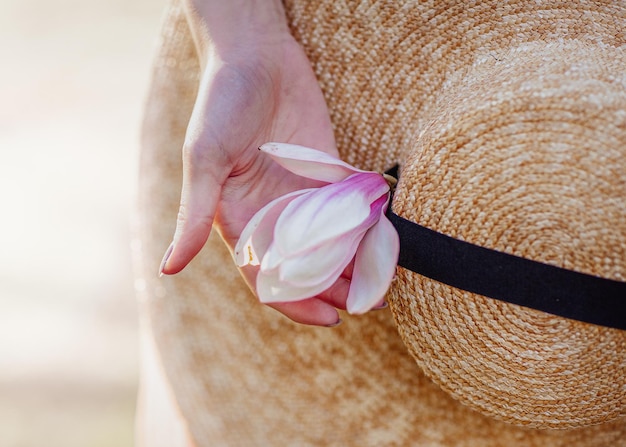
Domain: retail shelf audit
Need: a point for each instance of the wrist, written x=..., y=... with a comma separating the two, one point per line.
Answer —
x=235, y=27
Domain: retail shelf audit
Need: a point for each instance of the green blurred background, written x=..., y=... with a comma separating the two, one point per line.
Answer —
x=73, y=78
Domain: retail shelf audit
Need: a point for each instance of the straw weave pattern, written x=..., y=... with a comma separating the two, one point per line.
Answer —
x=508, y=120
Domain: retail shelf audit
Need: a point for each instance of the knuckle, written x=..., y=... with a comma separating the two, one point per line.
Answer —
x=181, y=217
x=194, y=153
x=189, y=221
x=205, y=155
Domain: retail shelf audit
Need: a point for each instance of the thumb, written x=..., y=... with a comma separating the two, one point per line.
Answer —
x=204, y=173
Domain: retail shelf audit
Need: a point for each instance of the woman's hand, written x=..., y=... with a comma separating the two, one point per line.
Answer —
x=257, y=86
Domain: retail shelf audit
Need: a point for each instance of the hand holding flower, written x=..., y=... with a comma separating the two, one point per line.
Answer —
x=304, y=240
x=257, y=86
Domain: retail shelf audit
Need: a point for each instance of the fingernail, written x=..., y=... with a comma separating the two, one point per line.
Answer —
x=382, y=306
x=166, y=256
x=335, y=324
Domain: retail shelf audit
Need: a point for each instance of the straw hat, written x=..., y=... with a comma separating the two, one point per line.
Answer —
x=508, y=122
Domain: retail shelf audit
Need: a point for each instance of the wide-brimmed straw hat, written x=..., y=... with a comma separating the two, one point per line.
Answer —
x=508, y=123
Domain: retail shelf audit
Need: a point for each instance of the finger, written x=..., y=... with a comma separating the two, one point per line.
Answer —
x=311, y=311
x=337, y=294
x=347, y=272
x=204, y=173
x=318, y=310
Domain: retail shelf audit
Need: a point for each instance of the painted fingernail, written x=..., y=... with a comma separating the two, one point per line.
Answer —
x=381, y=306
x=166, y=256
x=335, y=324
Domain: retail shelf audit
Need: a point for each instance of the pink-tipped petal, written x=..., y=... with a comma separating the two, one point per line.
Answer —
x=310, y=163
x=327, y=213
x=258, y=233
x=374, y=267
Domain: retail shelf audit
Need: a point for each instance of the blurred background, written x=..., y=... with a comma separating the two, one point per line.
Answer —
x=73, y=78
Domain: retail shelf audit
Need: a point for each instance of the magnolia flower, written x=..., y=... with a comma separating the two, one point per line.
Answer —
x=304, y=240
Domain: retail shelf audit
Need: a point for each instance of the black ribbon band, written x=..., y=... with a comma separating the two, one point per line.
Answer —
x=510, y=278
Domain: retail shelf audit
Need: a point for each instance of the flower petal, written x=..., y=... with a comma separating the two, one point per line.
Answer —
x=374, y=267
x=327, y=213
x=310, y=163
x=271, y=289
x=258, y=233
x=272, y=258
x=322, y=262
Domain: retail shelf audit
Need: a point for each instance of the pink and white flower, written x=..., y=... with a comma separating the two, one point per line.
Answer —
x=304, y=240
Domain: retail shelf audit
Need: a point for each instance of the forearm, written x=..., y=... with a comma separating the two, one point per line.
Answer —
x=222, y=27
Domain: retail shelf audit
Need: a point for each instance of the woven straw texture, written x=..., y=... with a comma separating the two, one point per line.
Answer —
x=509, y=122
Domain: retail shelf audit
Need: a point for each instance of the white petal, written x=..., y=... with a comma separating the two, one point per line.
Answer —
x=258, y=233
x=310, y=163
x=322, y=262
x=374, y=267
x=327, y=213
x=271, y=289
x=246, y=255
x=272, y=258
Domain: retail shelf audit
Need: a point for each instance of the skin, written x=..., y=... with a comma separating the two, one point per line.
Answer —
x=257, y=86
